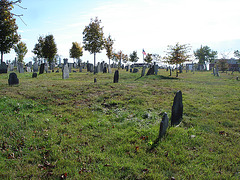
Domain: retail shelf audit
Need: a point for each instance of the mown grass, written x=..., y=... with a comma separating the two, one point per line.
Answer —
x=77, y=129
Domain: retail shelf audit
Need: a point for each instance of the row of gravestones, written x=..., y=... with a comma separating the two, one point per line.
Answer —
x=153, y=70
x=176, y=118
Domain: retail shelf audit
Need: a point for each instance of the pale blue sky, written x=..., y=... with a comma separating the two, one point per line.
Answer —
x=134, y=24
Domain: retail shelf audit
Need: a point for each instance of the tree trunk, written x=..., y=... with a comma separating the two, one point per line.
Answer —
x=94, y=67
x=1, y=57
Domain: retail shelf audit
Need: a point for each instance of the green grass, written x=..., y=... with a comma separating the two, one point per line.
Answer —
x=75, y=128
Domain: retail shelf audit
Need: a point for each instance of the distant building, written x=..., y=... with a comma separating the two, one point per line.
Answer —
x=233, y=64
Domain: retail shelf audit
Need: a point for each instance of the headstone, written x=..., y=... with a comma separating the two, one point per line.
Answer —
x=155, y=66
x=143, y=71
x=130, y=70
x=127, y=68
x=135, y=70
x=95, y=80
x=163, y=125
x=70, y=67
x=65, y=61
x=65, y=74
x=177, y=109
x=28, y=69
x=3, y=68
x=41, y=71
x=57, y=71
x=116, y=77
x=13, y=80
x=80, y=69
x=109, y=70
x=35, y=67
x=74, y=71
x=105, y=69
x=46, y=67
x=170, y=72
x=34, y=75
x=151, y=71
x=20, y=68
x=10, y=67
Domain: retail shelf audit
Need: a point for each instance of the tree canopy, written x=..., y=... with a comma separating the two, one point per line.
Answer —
x=133, y=57
x=205, y=54
x=21, y=50
x=76, y=51
x=148, y=59
x=93, y=38
x=109, y=47
x=177, y=54
x=8, y=28
x=49, y=49
x=38, y=48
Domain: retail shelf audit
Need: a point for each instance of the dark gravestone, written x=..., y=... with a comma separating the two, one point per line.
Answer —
x=116, y=77
x=163, y=126
x=130, y=70
x=135, y=70
x=105, y=69
x=41, y=71
x=151, y=71
x=3, y=68
x=95, y=80
x=177, y=109
x=34, y=75
x=13, y=79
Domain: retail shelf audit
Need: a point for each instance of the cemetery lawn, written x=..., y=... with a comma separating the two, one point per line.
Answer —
x=77, y=129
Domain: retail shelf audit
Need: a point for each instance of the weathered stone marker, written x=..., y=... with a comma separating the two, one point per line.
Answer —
x=163, y=126
x=3, y=68
x=34, y=75
x=13, y=80
x=65, y=73
x=143, y=71
x=177, y=109
x=41, y=71
x=116, y=77
x=95, y=80
x=151, y=71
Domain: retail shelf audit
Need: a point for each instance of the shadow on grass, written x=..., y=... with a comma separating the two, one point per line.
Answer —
x=158, y=77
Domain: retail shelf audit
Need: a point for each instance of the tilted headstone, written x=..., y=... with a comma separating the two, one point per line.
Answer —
x=41, y=71
x=34, y=75
x=35, y=67
x=151, y=71
x=177, y=109
x=163, y=125
x=3, y=68
x=143, y=71
x=13, y=80
x=65, y=73
x=116, y=77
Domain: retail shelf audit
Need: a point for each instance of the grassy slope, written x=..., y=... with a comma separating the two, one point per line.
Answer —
x=52, y=127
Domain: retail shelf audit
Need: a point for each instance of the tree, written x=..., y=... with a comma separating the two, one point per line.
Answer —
x=205, y=54
x=177, y=54
x=133, y=57
x=21, y=50
x=156, y=57
x=38, y=48
x=8, y=28
x=93, y=38
x=223, y=64
x=148, y=59
x=109, y=47
x=76, y=51
x=49, y=49
x=237, y=54
x=119, y=57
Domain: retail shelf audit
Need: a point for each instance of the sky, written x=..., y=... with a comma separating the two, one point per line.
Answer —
x=135, y=25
